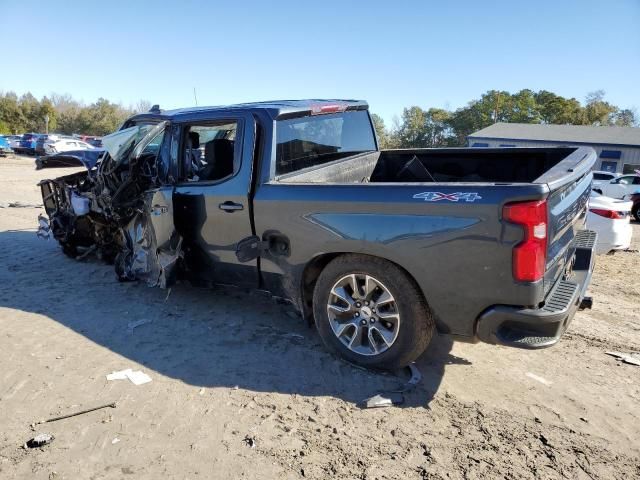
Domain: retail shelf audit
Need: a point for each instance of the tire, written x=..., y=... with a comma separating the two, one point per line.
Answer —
x=635, y=211
x=415, y=323
x=69, y=249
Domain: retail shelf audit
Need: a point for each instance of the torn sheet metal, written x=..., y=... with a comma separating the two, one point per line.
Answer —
x=153, y=248
x=73, y=158
x=44, y=230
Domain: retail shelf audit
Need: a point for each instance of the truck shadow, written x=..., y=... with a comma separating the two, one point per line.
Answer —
x=223, y=337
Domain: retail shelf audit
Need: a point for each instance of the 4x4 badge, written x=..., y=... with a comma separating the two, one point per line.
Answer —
x=449, y=197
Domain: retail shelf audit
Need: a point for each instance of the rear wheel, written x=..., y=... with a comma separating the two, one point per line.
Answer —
x=635, y=211
x=370, y=312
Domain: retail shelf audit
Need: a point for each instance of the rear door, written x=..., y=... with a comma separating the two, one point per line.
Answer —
x=212, y=211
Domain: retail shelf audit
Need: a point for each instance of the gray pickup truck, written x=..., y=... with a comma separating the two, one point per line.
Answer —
x=380, y=248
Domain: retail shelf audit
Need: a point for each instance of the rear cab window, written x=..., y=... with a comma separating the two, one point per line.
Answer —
x=318, y=139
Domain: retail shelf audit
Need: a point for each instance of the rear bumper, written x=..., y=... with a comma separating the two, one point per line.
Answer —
x=542, y=327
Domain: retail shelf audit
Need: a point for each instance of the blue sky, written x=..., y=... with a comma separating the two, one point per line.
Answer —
x=393, y=54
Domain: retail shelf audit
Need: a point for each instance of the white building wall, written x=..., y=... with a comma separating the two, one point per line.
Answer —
x=628, y=155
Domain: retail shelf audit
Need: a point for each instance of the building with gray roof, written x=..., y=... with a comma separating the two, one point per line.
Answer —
x=618, y=148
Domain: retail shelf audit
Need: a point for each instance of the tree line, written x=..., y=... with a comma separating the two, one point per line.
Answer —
x=26, y=113
x=437, y=127
x=417, y=127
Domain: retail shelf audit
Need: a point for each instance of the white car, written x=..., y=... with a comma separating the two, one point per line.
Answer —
x=66, y=145
x=600, y=176
x=14, y=141
x=619, y=187
x=609, y=218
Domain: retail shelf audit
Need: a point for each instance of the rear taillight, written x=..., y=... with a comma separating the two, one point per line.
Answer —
x=530, y=255
x=609, y=213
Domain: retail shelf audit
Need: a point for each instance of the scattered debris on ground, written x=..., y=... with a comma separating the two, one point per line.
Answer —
x=474, y=415
x=39, y=440
x=136, y=377
x=630, y=358
x=249, y=441
x=538, y=378
x=75, y=414
x=394, y=397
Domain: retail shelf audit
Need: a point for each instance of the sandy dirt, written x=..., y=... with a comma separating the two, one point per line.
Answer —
x=242, y=388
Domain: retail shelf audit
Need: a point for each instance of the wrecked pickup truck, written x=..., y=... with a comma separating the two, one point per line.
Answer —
x=380, y=248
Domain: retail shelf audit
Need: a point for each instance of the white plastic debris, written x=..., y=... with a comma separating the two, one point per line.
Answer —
x=39, y=440
x=136, y=377
x=629, y=358
x=121, y=375
x=537, y=378
x=79, y=204
x=115, y=440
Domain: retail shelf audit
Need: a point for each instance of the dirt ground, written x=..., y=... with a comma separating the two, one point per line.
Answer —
x=242, y=388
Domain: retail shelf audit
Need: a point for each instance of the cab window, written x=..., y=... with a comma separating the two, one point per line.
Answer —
x=209, y=152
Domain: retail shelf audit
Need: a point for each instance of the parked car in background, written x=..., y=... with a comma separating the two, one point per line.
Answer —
x=95, y=141
x=634, y=198
x=5, y=146
x=14, y=141
x=619, y=187
x=42, y=140
x=66, y=145
x=600, y=176
x=609, y=218
x=27, y=144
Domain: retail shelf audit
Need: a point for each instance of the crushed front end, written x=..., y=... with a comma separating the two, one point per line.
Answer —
x=106, y=210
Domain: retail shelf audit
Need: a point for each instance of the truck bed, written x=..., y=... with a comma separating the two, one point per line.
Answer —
x=446, y=204
x=446, y=165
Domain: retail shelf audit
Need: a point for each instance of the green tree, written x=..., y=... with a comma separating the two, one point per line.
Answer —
x=101, y=117
x=413, y=129
x=30, y=107
x=438, y=128
x=10, y=114
x=381, y=130
x=524, y=107
x=597, y=111
x=626, y=118
x=47, y=109
x=555, y=109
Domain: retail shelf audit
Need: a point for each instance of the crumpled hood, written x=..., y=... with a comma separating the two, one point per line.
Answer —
x=119, y=142
x=73, y=158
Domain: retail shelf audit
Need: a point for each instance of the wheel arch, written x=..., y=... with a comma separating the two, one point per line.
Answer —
x=314, y=267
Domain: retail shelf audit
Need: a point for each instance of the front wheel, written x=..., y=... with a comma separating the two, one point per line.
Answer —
x=371, y=312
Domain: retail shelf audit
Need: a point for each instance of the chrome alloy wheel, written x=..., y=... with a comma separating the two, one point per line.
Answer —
x=363, y=314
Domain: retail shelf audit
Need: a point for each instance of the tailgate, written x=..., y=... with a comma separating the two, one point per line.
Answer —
x=570, y=186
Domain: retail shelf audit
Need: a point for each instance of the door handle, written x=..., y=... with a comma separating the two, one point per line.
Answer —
x=229, y=206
